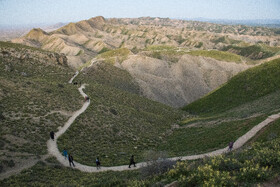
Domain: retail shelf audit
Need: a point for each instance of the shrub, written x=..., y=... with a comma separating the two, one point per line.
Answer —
x=157, y=163
x=103, y=50
x=252, y=172
x=206, y=175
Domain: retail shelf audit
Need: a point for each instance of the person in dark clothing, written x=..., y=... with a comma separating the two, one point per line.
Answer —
x=71, y=160
x=86, y=98
x=132, y=161
x=230, y=146
x=52, y=135
x=97, y=161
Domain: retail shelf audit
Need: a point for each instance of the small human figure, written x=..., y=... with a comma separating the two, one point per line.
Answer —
x=86, y=98
x=230, y=146
x=64, y=152
x=132, y=161
x=97, y=161
x=71, y=160
x=52, y=135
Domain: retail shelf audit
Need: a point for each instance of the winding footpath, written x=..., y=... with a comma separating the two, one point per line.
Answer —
x=53, y=149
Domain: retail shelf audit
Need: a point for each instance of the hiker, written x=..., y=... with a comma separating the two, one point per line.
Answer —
x=86, y=98
x=230, y=146
x=64, y=153
x=71, y=160
x=97, y=161
x=52, y=135
x=132, y=161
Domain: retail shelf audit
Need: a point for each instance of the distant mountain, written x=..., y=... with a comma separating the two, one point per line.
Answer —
x=174, y=61
x=272, y=23
x=9, y=32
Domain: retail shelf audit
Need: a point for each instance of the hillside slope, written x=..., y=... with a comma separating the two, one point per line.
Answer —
x=252, y=84
x=34, y=100
x=177, y=84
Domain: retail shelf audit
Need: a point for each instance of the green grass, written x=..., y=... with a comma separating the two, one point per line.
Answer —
x=246, y=167
x=55, y=175
x=29, y=91
x=218, y=55
x=270, y=132
x=119, y=122
x=164, y=52
x=206, y=138
x=19, y=46
x=103, y=50
x=159, y=48
x=254, y=52
x=226, y=40
x=115, y=55
x=245, y=87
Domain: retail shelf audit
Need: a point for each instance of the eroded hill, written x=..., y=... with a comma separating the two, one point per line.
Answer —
x=173, y=61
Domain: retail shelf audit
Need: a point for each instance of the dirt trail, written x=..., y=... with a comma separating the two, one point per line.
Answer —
x=53, y=150
x=24, y=165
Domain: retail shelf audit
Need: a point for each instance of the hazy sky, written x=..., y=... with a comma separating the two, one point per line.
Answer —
x=14, y=12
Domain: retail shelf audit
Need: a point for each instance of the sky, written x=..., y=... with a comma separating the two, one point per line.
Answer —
x=21, y=12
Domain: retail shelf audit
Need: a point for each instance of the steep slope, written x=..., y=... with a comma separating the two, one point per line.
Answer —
x=34, y=100
x=246, y=87
x=177, y=84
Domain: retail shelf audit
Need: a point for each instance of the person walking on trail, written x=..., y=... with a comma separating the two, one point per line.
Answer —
x=230, y=146
x=71, y=160
x=86, y=98
x=132, y=161
x=64, y=153
x=52, y=135
x=97, y=161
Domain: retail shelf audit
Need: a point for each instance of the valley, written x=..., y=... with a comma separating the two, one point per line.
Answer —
x=176, y=88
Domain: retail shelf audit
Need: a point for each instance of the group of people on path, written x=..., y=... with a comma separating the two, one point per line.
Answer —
x=69, y=157
x=97, y=161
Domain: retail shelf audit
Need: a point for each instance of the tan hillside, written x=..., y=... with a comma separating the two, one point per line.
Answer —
x=178, y=84
x=81, y=41
x=174, y=61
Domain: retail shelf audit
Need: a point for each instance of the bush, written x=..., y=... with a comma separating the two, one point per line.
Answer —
x=103, y=50
x=252, y=172
x=206, y=175
x=157, y=163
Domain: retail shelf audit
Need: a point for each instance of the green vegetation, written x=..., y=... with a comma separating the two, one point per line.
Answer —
x=19, y=46
x=269, y=132
x=247, y=167
x=119, y=122
x=160, y=48
x=103, y=50
x=206, y=137
x=226, y=40
x=255, y=165
x=112, y=56
x=79, y=53
x=245, y=87
x=199, y=45
x=219, y=55
x=43, y=174
x=254, y=52
x=32, y=94
x=164, y=52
